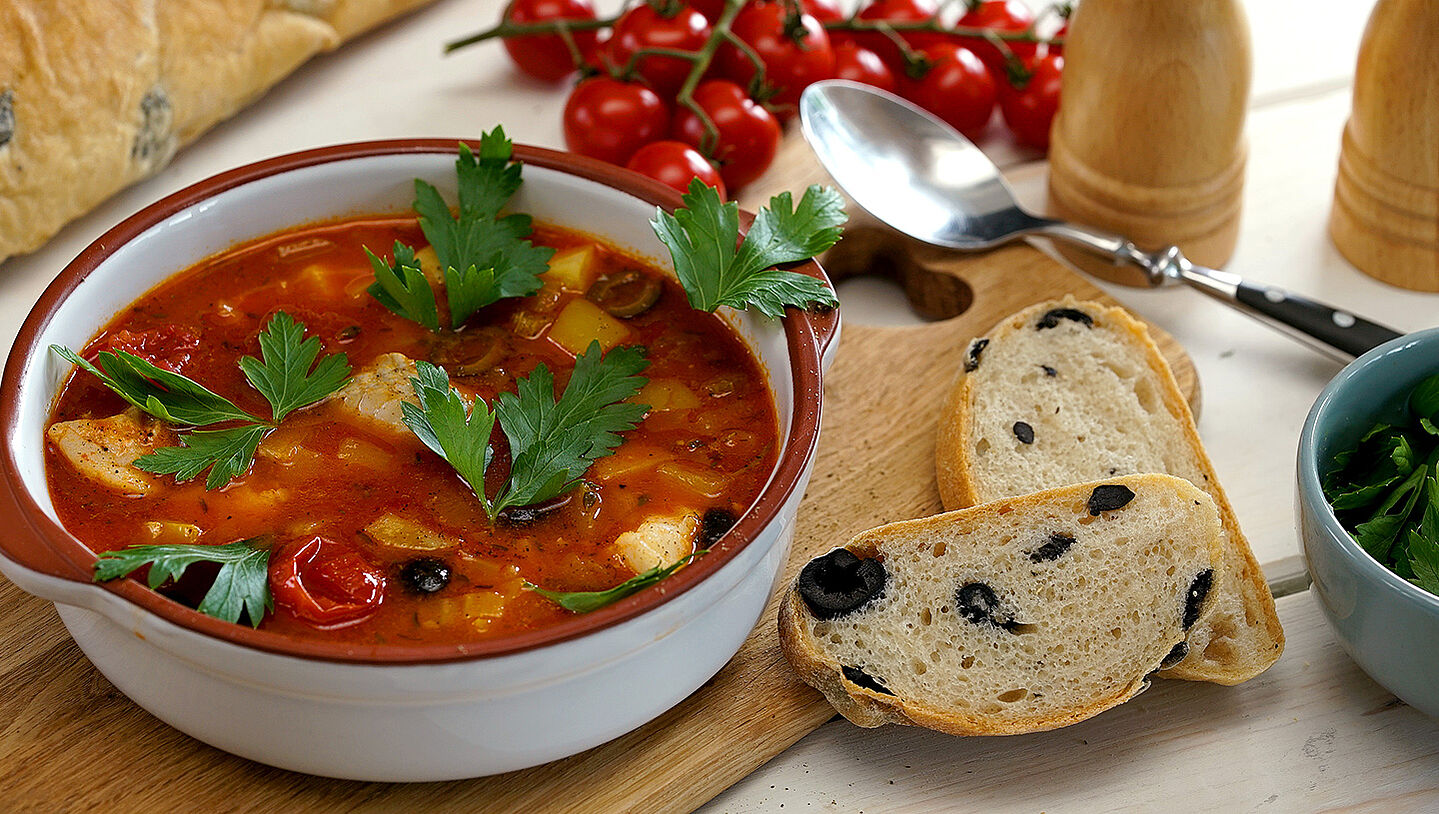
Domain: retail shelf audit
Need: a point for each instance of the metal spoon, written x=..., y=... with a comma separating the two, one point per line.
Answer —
x=917, y=174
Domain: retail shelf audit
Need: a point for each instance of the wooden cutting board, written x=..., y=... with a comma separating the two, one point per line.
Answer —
x=69, y=741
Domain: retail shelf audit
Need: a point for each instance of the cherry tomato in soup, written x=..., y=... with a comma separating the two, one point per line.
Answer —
x=859, y=64
x=546, y=57
x=748, y=134
x=643, y=27
x=1004, y=16
x=325, y=583
x=1029, y=111
x=675, y=164
x=897, y=11
x=169, y=347
x=794, y=48
x=608, y=119
x=954, y=86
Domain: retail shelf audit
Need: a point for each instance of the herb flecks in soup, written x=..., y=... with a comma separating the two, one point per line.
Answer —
x=378, y=475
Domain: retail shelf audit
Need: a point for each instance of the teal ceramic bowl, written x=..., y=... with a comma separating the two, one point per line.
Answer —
x=1389, y=626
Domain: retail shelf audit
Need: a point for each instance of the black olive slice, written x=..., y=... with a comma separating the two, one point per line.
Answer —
x=1052, y=318
x=714, y=524
x=860, y=678
x=971, y=359
x=471, y=353
x=525, y=515
x=1023, y=432
x=1049, y=371
x=625, y=294
x=1054, y=548
x=978, y=603
x=1194, y=599
x=1175, y=656
x=425, y=575
x=839, y=583
x=1108, y=497
x=7, y=116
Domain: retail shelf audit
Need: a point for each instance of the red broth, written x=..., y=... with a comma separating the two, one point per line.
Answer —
x=323, y=473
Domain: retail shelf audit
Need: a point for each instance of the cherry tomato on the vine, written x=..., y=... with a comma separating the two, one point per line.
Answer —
x=1006, y=16
x=642, y=28
x=546, y=56
x=1057, y=48
x=897, y=11
x=1029, y=111
x=826, y=11
x=608, y=119
x=795, y=49
x=748, y=135
x=325, y=583
x=859, y=64
x=674, y=164
x=956, y=87
x=711, y=9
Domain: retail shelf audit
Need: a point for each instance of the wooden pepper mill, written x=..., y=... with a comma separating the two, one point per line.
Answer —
x=1149, y=142
x=1385, y=218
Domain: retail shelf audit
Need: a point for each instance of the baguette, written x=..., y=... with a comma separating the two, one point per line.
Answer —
x=1020, y=615
x=1069, y=391
x=95, y=96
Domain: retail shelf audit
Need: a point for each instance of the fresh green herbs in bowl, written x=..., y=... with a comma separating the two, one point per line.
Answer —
x=1385, y=489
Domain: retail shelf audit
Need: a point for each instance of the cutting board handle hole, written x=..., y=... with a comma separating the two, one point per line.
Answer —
x=882, y=255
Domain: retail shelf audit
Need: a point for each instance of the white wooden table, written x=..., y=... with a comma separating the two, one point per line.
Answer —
x=1312, y=733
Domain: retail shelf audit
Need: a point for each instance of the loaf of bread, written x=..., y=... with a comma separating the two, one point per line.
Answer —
x=1068, y=392
x=95, y=96
x=1020, y=615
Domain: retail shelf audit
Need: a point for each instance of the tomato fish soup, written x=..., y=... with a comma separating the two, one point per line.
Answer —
x=328, y=512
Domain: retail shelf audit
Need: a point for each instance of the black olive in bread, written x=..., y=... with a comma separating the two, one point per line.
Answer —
x=1019, y=615
x=1096, y=399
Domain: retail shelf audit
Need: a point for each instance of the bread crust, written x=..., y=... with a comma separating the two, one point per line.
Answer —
x=868, y=708
x=96, y=96
x=1240, y=579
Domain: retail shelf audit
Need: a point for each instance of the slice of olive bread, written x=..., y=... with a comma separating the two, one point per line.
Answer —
x=1070, y=391
x=1015, y=616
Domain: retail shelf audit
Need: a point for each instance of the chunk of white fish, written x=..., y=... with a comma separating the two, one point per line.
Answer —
x=658, y=541
x=373, y=395
x=104, y=449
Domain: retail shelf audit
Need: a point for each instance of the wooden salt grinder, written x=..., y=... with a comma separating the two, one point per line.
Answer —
x=1148, y=142
x=1385, y=218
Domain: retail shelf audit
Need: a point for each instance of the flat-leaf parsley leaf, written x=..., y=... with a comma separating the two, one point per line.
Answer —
x=716, y=268
x=241, y=586
x=586, y=601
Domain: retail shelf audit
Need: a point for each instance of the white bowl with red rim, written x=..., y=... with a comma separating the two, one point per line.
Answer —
x=393, y=713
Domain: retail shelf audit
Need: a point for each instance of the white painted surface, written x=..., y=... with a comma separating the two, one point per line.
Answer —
x=1300, y=738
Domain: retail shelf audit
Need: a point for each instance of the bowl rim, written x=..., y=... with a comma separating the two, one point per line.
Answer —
x=65, y=556
x=1311, y=492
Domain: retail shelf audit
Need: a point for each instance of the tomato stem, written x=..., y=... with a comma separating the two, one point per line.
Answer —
x=508, y=29
x=719, y=34
x=932, y=24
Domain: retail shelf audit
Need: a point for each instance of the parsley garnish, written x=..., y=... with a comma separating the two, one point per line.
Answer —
x=283, y=376
x=552, y=441
x=484, y=257
x=703, y=235
x=1386, y=490
x=586, y=601
x=241, y=586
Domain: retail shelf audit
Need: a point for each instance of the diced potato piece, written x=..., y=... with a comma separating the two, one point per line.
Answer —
x=364, y=454
x=397, y=532
x=321, y=282
x=582, y=322
x=284, y=444
x=574, y=269
x=430, y=266
x=104, y=449
x=170, y=532
x=243, y=500
x=702, y=482
x=374, y=395
x=666, y=394
x=628, y=459
x=657, y=542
